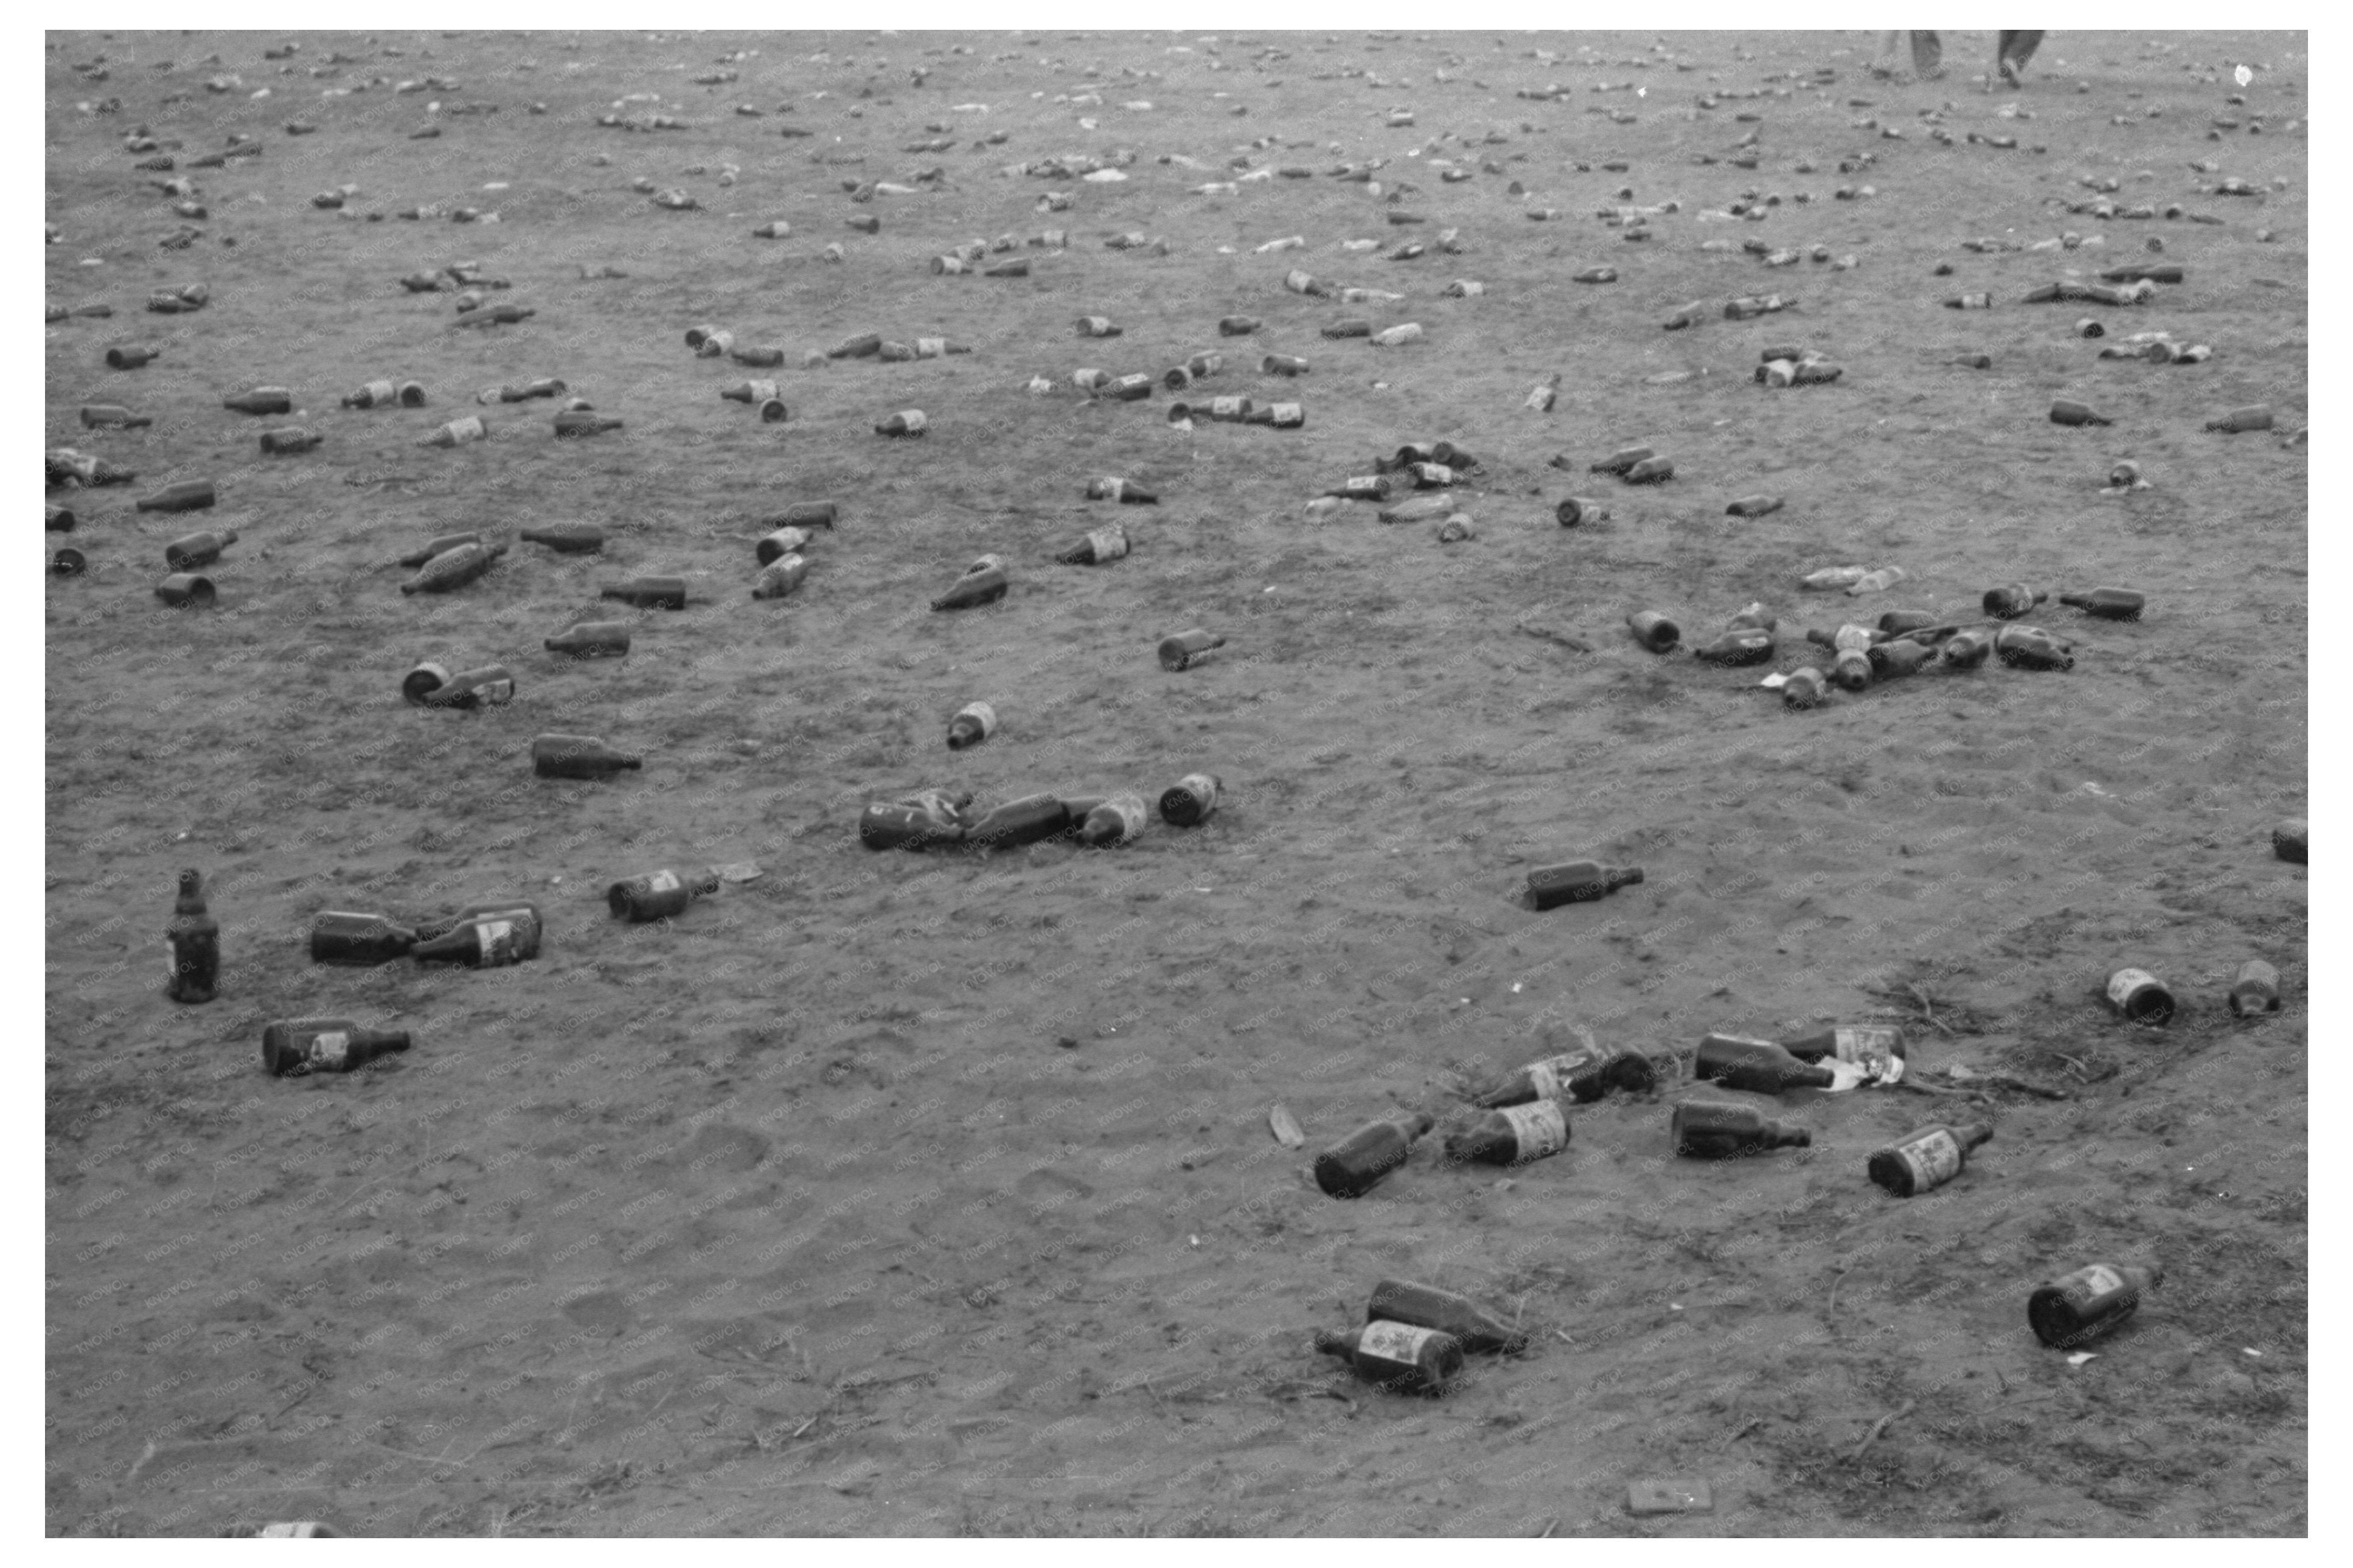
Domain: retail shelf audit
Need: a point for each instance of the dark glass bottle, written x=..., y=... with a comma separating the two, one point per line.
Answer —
x=974, y=588
x=578, y=757
x=262, y=400
x=129, y=358
x=296, y=1048
x=1900, y=657
x=1754, y=506
x=1190, y=802
x=486, y=941
x=192, y=551
x=2067, y=411
x=1238, y=326
x=453, y=569
x=1703, y=1130
x=1478, y=1331
x=56, y=519
x=1625, y=457
x=2140, y=996
x=2031, y=647
x=193, y=940
x=440, y=546
x=186, y=590
x=1187, y=649
x=1895, y=623
x=340, y=936
x=780, y=578
x=1356, y=1164
x=907, y=422
x=574, y=424
x=784, y=541
x=1967, y=650
x=1396, y=1356
x=920, y=822
x=1578, y=882
x=1118, y=489
x=112, y=416
x=1282, y=364
x=290, y=440
x=1578, y=509
x=434, y=928
x=804, y=514
x=2012, y=600
x=2109, y=604
x=69, y=562
x=1032, y=819
x=2291, y=840
x=2256, y=990
x=1749, y=645
x=649, y=592
x=1584, y=1076
x=1512, y=1135
x=1760, y=1067
x=566, y=538
x=1114, y=821
x=2089, y=1303
x=658, y=895
x=1655, y=631
x=591, y=639
x=190, y=495
x=1365, y=486
x=1650, y=471
x=1927, y=1159
x=1851, y=670
x=1101, y=546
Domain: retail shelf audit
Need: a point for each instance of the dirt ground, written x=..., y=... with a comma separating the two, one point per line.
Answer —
x=926, y=1194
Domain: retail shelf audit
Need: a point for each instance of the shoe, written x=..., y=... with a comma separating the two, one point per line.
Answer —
x=2009, y=71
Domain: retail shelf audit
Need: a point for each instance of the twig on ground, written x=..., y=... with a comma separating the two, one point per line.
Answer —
x=1881, y=1425
x=1832, y=1308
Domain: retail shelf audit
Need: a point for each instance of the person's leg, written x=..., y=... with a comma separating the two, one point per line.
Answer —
x=1883, y=63
x=2022, y=46
x=1927, y=55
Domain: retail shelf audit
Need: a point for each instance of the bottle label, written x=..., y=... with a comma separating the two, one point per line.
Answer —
x=1107, y=544
x=2090, y=1284
x=763, y=390
x=914, y=420
x=1289, y=414
x=1851, y=638
x=930, y=348
x=1225, y=408
x=330, y=1052
x=172, y=961
x=1875, y=1048
x=1397, y=1343
x=2124, y=982
x=1933, y=1159
x=1540, y=1128
x=494, y=941
x=662, y=882
x=1544, y=1079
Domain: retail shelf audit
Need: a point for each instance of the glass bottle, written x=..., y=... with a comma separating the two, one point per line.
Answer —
x=649, y=592
x=341, y=936
x=578, y=757
x=658, y=895
x=1512, y=1135
x=1357, y=1163
x=1703, y=1130
x=591, y=639
x=192, y=939
x=1396, y=1356
x=1578, y=882
x=1759, y=1067
x=1190, y=800
x=1478, y=1331
x=1927, y=1159
x=2091, y=1302
x=296, y=1048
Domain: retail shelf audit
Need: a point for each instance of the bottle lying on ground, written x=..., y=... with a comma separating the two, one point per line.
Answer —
x=1702, y=1130
x=1512, y=1135
x=1118, y=820
x=2032, y=647
x=2091, y=1302
x=387, y=395
x=1357, y=1163
x=649, y=592
x=659, y=895
x=262, y=400
x=112, y=416
x=1191, y=800
x=1189, y=648
x=591, y=639
x=1577, y=881
x=578, y=757
x=1032, y=819
x=2140, y=996
x=1890, y=660
x=1577, y=509
x=1746, y=645
x=2109, y=604
x=453, y=569
x=459, y=432
x=1478, y=1331
x=296, y=1048
x=982, y=587
x=973, y=722
x=2291, y=841
x=1874, y=1046
x=486, y=941
x=2256, y=990
x=780, y=578
x=1759, y=1067
x=1100, y=546
x=1624, y=460
x=189, y=495
x=2012, y=600
x=186, y=590
x=1967, y=650
x=1655, y=631
x=1118, y=489
x=436, y=927
x=1754, y=506
x=1927, y=1159
x=2256, y=416
x=930, y=819
x=574, y=424
x=194, y=550
x=1395, y=1356
x=491, y=686
x=1281, y=416
x=289, y=441
x=1584, y=1076
x=1282, y=364
x=2067, y=411
x=566, y=538
x=341, y=936
x=192, y=939
x=442, y=545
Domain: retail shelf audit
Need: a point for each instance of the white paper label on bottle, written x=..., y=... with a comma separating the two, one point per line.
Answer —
x=2124, y=982
x=2090, y=1284
x=330, y=1051
x=1225, y=407
x=1933, y=1160
x=171, y=960
x=914, y=420
x=1398, y=1342
x=493, y=941
x=1540, y=1128
x=763, y=390
x=1544, y=1079
x=662, y=882
x=1852, y=636
x=1108, y=544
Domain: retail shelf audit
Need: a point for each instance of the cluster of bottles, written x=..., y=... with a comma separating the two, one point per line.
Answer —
x=943, y=819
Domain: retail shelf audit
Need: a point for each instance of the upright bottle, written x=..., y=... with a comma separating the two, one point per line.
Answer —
x=1190, y=800
x=1397, y=1355
x=296, y=1048
x=486, y=941
x=1583, y=1076
x=2089, y=1303
x=1707, y=1131
x=1927, y=1159
x=340, y=936
x=2256, y=990
x=1760, y=1067
x=1356, y=1164
x=578, y=757
x=658, y=895
x=1578, y=882
x=1478, y=1331
x=973, y=722
x=193, y=940
x=1512, y=1135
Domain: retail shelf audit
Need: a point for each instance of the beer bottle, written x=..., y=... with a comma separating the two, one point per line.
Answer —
x=2089, y=1303
x=112, y=416
x=804, y=514
x=1851, y=669
x=1584, y=1074
x=752, y=392
x=191, y=551
x=1190, y=802
x=1349, y=327
x=194, y=940
x=1363, y=487
x=865, y=345
x=340, y=936
x=2140, y=996
x=440, y=546
x=696, y=336
x=1623, y=460
x=2256, y=990
x=1895, y=623
x=785, y=541
x=566, y=538
x=2067, y=411
x=911, y=422
x=1847, y=636
x=1760, y=1067
x=766, y=356
x=1970, y=302
x=1115, y=821
x=2032, y=647
x=1427, y=1306
x=2290, y=840
x=780, y=578
x=1803, y=688
x=1513, y=1135
x=1655, y=631
x=1100, y=546
x=716, y=345
x=1747, y=644
x=381, y=395
x=433, y=929
x=1356, y=1164
x=1032, y=819
x=1129, y=388
x=1754, y=506
x=649, y=592
x=2012, y=600
x=1927, y=1159
x=1704, y=1131
x=937, y=348
x=296, y=1048
x=1578, y=509
x=973, y=722
x=1282, y=364
x=1967, y=650
x=1098, y=327
x=1830, y=577
x=2109, y=604
x=1577, y=882
x=459, y=432
x=183, y=590
x=1396, y=1356
x=262, y=400
x=578, y=757
x=1126, y=490
x=1903, y=656
x=1872, y=1046
x=658, y=895
x=287, y=442
x=777, y=230
x=453, y=569
x=56, y=519
x=1187, y=649
x=918, y=822
x=485, y=941
x=424, y=680
x=573, y=425
x=490, y=686
x=2088, y=328
x=128, y=358
x=591, y=639
x=1300, y=282
x=189, y=495
x=522, y=390
x=1282, y=415
x=2255, y=416
x=1237, y=326
x=974, y=588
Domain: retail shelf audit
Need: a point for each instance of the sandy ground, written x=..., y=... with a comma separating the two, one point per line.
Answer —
x=931, y=1194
